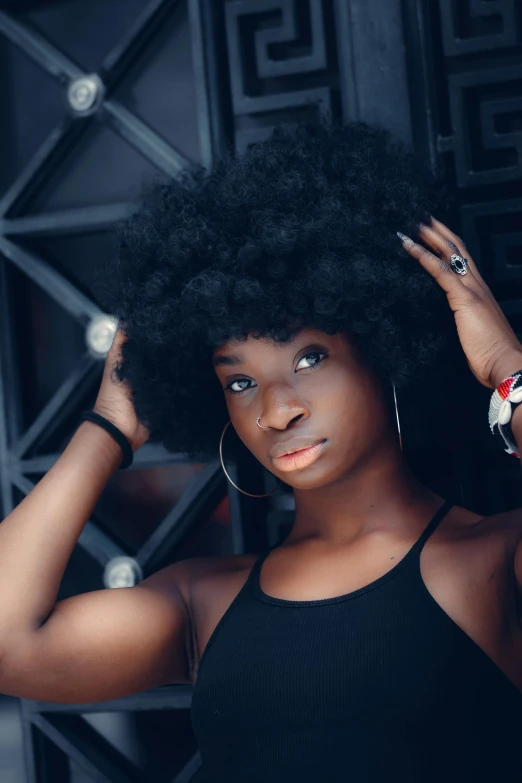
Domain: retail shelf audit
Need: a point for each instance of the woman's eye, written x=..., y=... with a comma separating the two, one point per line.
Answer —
x=312, y=360
x=309, y=361
x=238, y=383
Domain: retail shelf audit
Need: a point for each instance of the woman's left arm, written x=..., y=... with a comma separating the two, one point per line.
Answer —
x=491, y=346
x=492, y=349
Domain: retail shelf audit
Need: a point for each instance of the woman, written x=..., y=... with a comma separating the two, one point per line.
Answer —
x=382, y=639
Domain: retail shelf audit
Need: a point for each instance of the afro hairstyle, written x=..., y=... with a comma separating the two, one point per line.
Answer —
x=299, y=231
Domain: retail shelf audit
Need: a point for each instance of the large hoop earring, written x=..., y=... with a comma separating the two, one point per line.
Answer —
x=267, y=494
x=397, y=415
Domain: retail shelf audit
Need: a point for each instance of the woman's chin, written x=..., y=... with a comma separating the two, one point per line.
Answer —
x=313, y=477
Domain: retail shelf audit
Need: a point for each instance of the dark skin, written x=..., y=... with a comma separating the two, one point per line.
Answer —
x=360, y=482
x=316, y=386
x=359, y=509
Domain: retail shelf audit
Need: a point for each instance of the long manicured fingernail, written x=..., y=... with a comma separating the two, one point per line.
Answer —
x=404, y=238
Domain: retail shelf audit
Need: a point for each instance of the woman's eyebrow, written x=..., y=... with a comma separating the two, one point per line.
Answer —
x=226, y=360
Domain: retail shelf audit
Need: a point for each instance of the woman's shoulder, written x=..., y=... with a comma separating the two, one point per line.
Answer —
x=508, y=527
x=209, y=586
x=505, y=526
x=210, y=564
x=203, y=576
x=464, y=523
x=496, y=537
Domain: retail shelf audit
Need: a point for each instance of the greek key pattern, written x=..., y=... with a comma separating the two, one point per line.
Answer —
x=477, y=104
x=478, y=26
x=278, y=63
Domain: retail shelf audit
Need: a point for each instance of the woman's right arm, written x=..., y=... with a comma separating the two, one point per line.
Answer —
x=95, y=646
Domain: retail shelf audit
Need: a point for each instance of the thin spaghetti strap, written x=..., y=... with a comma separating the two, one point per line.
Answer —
x=259, y=562
x=441, y=513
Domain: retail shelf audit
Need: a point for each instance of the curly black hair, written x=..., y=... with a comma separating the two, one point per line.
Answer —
x=298, y=231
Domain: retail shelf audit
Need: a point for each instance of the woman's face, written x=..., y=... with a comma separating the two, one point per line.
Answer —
x=315, y=398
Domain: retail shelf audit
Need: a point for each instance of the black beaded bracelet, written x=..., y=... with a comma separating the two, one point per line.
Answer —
x=118, y=436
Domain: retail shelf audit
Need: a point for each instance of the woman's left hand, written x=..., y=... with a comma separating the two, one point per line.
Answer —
x=492, y=348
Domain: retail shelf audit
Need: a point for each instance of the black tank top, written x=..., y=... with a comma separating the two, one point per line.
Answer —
x=376, y=685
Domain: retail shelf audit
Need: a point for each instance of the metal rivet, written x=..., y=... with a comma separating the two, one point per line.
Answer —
x=100, y=335
x=84, y=93
x=122, y=572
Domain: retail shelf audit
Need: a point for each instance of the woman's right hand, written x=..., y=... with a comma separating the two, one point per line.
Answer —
x=114, y=400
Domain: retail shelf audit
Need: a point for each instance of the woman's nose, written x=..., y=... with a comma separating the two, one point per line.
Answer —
x=281, y=412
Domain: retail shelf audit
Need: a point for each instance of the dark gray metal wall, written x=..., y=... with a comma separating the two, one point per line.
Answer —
x=99, y=96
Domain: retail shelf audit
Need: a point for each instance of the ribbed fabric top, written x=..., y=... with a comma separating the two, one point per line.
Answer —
x=375, y=685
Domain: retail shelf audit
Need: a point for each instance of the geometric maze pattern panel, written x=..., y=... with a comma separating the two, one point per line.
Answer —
x=477, y=96
x=465, y=77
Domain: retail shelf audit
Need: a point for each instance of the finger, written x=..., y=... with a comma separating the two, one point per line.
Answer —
x=448, y=233
x=446, y=247
x=457, y=241
x=441, y=239
x=437, y=267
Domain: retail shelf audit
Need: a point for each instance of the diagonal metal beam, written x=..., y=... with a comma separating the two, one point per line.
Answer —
x=70, y=221
x=93, y=540
x=99, y=545
x=58, y=404
x=192, y=771
x=55, y=285
x=143, y=138
x=39, y=49
x=201, y=490
x=125, y=52
x=32, y=173
x=6, y=489
x=87, y=748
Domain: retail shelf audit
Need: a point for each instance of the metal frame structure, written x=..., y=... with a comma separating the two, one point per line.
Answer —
x=51, y=728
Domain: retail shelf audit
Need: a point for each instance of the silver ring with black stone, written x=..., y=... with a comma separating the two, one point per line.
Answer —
x=459, y=264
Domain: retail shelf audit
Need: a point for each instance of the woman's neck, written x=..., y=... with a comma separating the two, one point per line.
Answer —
x=382, y=495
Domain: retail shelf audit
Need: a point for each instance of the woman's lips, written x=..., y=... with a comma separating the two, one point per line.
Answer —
x=300, y=459
x=293, y=444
